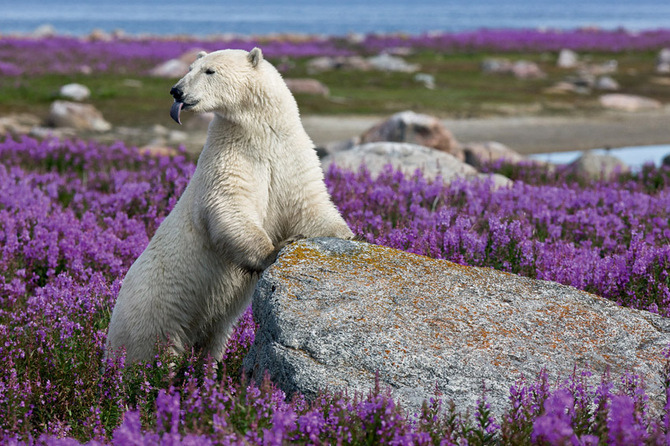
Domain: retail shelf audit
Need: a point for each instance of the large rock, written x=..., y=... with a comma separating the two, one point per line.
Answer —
x=403, y=156
x=77, y=116
x=597, y=166
x=628, y=102
x=332, y=314
x=415, y=128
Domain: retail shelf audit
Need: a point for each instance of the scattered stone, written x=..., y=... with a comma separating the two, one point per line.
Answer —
x=75, y=92
x=415, y=128
x=321, y=64
x=521, y=69
x=524, y=69
x=428, y=80
x=98, y=35
x=477, y=153
x=628, y=102
x=78, y=116
x=561, y=88
x=307, y=86
x=609, y=67
x=335, y=314
x=386, y=62
x=496, y=66
x=46, y=30
x=663, y=61
x=665, y=81
x=40, y=132
x=173, y=68
x=607, y=83
x=403, y=156
x=567, y=59
x=178, y=67
x=597, y=166
x=18, y=124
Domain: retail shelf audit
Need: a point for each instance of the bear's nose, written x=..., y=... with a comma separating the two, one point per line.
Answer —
x=176, y=93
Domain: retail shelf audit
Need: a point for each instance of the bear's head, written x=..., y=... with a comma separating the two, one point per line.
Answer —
x=228, y=82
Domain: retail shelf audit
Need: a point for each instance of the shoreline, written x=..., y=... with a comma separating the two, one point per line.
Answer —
x=524, y=134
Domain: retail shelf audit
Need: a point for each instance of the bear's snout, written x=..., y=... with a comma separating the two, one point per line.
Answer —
x=177, y=93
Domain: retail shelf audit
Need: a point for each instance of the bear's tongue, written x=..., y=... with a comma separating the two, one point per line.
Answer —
x=175, y=111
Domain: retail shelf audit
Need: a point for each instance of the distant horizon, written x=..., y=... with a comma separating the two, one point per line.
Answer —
x=256, y=17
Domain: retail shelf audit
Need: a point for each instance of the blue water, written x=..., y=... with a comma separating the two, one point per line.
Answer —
x=200, y=17
x=635, y=157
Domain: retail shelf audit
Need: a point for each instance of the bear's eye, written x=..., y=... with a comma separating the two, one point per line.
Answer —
x=209, y=71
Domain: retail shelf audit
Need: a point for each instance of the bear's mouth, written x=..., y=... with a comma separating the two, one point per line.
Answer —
x=177, y=107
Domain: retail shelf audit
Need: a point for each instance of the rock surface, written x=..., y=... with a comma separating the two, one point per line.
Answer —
x=415, y=128
x=334, y=313
x=403, y=156
x=598, y=166
x=77, y=116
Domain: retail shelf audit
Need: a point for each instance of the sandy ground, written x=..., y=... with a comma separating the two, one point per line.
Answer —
x=525, y=134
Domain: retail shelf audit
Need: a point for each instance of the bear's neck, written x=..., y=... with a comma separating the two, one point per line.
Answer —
x=250, y=132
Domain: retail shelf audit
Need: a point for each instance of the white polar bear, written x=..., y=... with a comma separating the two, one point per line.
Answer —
x=257, y=185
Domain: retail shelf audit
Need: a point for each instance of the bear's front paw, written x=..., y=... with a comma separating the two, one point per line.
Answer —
x=288, y=241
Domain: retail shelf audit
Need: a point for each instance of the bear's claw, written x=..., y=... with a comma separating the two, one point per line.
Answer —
x=175, y=111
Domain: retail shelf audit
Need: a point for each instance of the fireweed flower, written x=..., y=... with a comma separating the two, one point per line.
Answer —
x=75, y=214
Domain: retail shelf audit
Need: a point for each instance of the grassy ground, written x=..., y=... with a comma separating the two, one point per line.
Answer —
x=462, y=90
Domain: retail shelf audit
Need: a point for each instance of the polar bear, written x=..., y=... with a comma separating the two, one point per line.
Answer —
x=257, y=186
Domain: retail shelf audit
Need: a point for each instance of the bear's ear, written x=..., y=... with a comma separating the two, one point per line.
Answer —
x=201, y=54
x=255, y=57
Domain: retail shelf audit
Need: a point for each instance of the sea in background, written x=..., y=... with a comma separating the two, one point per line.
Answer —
x=202, y=18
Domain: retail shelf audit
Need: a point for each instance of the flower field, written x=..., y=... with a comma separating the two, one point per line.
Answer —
x=74, y=215
x=124, y=55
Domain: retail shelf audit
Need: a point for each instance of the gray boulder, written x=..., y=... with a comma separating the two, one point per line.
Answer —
x=408, y=158
x=415, y=128
x=598, y=166
x=332, y=314
x=404, y=156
